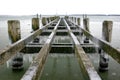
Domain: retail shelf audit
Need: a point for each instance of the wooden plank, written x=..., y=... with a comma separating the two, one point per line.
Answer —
x=84, y=60
x=107, y=47
x=34, y=71
x=11, y=50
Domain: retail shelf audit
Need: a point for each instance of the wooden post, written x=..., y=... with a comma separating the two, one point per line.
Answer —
x=86, y=24
x=14, y=30
x=106, y=34
x=35, y=23
x=78, y=21
x=75, y=20
x=107, y=30
x=44, y=21
x=86, y=27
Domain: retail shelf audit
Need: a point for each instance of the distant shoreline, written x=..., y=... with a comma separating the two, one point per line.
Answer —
x=61, y=15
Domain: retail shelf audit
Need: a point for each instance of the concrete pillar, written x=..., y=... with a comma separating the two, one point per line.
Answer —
x=17, y=62
x=106, y=34
x=35, y=23
x=14, y=30
x=78, y=21
x=86, y=27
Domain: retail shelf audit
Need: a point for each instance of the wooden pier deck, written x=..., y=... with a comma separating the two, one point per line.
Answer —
x=67, y=31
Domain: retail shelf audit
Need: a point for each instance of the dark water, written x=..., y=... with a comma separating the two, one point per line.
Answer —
x=114, y=68
x=6, y=72
x=69, y=63
x=62, y=67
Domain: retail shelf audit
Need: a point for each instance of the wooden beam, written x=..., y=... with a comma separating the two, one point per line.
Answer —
x=85, y=62
x=11, y=50
x=107, y=47
x=34, y=71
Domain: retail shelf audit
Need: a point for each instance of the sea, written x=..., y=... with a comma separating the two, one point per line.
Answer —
x=95, y=26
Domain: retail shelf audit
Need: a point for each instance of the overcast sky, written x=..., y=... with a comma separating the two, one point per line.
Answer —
x=28, y=7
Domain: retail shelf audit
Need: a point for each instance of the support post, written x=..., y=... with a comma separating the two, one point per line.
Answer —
x=107, y=30
x=106, y=34
x=75, y=19
x=86, y=27
x=44, y=22
x=35, y=23
x=14, y=30
x=78, y=21
x=17, y=62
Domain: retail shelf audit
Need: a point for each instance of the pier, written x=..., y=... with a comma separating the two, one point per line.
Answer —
x=64, y=35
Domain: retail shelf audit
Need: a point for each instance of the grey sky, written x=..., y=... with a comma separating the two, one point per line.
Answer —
x=28, y=7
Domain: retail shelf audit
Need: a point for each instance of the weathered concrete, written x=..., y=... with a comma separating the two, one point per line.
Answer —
x=14, y=30
x=35, y=23
x=9, y=51
x=108, y=48
x=34, y=71
x=85, y=62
